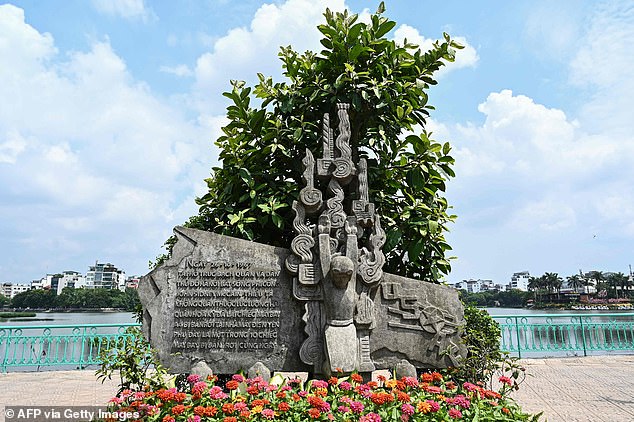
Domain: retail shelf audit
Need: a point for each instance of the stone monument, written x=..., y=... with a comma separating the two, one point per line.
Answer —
x=323, y=307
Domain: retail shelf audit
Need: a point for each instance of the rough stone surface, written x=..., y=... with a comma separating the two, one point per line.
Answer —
x=259, y=370
x=201, y=368
x=228, y=303
x=405, y=369
x=225, y=301
x=418, y=322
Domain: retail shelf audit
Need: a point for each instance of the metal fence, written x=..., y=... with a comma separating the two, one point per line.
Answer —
x=62, y=346
x=562, y=334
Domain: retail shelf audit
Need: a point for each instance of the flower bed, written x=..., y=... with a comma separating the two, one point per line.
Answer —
x=432, y=397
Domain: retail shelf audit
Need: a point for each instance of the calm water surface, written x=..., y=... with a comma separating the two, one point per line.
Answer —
x=70, y=318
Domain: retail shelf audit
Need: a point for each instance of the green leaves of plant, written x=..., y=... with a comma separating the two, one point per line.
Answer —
x=262, y=145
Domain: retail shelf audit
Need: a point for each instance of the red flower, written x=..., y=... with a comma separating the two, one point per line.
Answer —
x=228, y=408
x=232, y=385
x=314, y=413
x=230, y=419
x=333, y=381
x=356, y=378
x=178, y=409
x=168, y=418
x=283, y=407
x=506, y=380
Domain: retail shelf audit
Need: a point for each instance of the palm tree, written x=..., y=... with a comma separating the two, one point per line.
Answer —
x=534, y=284
x=616, y=279
x=553, y=281
x=598, y=277
x=575, y=281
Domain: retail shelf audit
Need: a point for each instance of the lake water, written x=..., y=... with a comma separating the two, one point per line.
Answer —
x=71, y=318
x=563, y=333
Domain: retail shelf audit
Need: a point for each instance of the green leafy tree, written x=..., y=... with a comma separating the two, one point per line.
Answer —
x=386, y=85
x=574, y=282
x=4, y=301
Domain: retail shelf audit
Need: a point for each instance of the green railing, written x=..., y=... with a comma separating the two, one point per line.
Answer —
x=560, y=334
x=70, y=346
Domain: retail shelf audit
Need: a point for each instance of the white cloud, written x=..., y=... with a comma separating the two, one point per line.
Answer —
x=466, y=57
x=245, y=51
x=180, y=70
x=127, y=9
x=88, y=155
x=13, y=146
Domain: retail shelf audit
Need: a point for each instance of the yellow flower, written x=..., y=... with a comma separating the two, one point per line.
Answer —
x=390, y=383
x=423, y=407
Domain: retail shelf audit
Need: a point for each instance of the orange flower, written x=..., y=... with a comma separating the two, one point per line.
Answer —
x=423, y=407
x=211, y=411
x=356, y=377
x=333, y=381
x=283, y=407
x=228, y=408
x=403, y=397
x=426, y=377
x=321, y=392
x=199, y=410
x=505, y=410
x=232, y=385
x=314, y=413
x=230, y=419
x=245, y=414
x=381, y=378
x=178, y=409
x=281, y=394
x=296, y=397
x=390, y=383
x=437, y=376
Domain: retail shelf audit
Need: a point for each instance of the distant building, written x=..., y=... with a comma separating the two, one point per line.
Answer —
x=71, y=279
x=476, y=286
x=105, y=276
x=519, y=281
x=10, y=290
x=132, y=282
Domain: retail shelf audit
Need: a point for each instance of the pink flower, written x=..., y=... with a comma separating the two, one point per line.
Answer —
x=268, y=413
x=469, y=387
x=410, y=381
x=370, y=417
x=115, y=400
x=343, y=409
x=216, y=393
x=286, y=388
x=238, y=378
x=407, y=409
x=455, y=413
x=345, y=385
x=193, y=378
x=194, y=418
x=435, y=406
x=320, y=384
x=356, y=406
x=240, y=406
x=139, y=395
x=303, y=393
x=345, y=399
x=461, y=401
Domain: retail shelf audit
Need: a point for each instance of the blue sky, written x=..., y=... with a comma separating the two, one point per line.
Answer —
x=110, y=108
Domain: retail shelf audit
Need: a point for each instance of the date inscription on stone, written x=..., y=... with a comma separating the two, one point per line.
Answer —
x=225, y=306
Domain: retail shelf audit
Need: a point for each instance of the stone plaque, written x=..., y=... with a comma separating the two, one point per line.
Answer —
x=224, y=301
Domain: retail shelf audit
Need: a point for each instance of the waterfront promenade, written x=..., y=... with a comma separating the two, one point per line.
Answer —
x=588, y=389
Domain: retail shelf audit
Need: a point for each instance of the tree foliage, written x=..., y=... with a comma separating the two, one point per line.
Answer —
x=385, y=83
x=71, y=298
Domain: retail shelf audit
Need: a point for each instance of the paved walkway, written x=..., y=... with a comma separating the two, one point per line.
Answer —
x=592, y=389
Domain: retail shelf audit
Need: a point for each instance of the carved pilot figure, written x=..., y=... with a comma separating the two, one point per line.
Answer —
x=333, y=273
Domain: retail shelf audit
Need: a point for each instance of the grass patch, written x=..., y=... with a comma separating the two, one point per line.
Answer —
x=7, y=315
